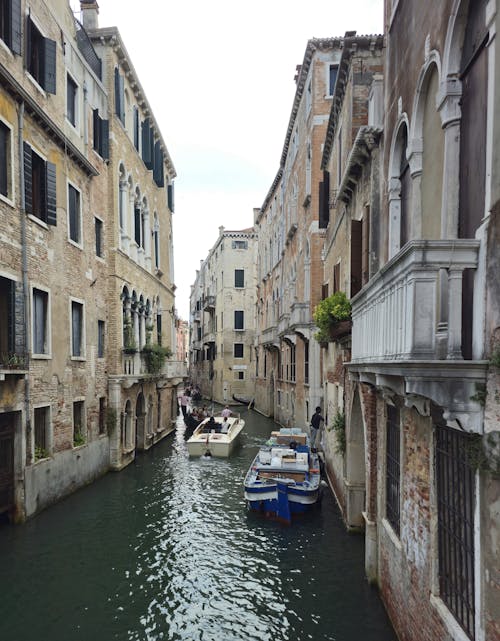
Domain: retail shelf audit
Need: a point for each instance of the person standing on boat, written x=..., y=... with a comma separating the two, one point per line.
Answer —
x=226, y=412
x=184, y=401
x=315, y=425
x=225, y=426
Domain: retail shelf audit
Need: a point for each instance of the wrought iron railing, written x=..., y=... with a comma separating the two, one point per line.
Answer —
x=87, y=50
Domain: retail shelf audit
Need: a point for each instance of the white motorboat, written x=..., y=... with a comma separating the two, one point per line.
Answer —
x=215, y=436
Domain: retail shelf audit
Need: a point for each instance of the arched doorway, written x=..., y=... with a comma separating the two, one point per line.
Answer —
x=355, y=466
x=126, y=431
x=140, y=419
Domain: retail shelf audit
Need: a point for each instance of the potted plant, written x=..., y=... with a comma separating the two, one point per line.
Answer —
x=332, y=317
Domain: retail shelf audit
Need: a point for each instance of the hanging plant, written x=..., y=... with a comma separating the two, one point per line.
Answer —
x=329, y=314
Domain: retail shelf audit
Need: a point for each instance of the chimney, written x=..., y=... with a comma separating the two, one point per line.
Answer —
x=90, y=11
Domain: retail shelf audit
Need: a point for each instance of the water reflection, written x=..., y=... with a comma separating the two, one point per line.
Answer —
x=167, y=550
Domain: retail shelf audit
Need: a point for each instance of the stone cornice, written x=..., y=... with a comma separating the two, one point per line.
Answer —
x=111, y=36
x=351, y=46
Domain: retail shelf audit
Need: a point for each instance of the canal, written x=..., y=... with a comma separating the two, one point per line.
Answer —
x=166, y=550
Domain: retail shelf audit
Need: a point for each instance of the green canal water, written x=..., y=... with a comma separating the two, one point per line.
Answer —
x=167, y=550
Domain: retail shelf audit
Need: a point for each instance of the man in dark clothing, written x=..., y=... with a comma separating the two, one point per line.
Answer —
x=315, y=425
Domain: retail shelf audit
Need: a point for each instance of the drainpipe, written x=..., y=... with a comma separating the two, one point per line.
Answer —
x=24, y=249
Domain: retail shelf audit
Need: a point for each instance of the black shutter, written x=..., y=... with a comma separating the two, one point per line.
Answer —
x=121, y=82
x=27, y=41
x=118, y=94
x=170, y=196
x=28, y=180
x=146, y=144
x=49, y=80
x=136, y=128
x=15, y=26
x=4, y=138
x=321, y=204
x=50, y=174
x=356, y=255
x=11, y=315
x=97, y=129
x=158, y=165
x=105, y=139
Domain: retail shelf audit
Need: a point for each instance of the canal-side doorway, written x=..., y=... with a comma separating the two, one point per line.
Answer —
x=7, y=428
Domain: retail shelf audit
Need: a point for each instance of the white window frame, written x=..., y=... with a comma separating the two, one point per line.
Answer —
x=83, y=350
x=10, y=166
x=80, y=225
x=76, y=125
x=48, y=338
x=239, y=329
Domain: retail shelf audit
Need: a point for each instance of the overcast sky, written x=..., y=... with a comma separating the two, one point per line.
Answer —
x=219, y=77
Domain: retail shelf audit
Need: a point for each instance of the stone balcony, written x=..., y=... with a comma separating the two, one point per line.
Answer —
x=300, y=316
x=134, y=367
x=284, y=324
x=407, y=329
x=209, y=303
x=270, y=336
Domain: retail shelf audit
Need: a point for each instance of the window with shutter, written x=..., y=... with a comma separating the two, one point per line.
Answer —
x=239, y=319
x=74, y=215
x=238, y=350
x=100, y=338
x=40, y=311
x=71, y=99
x=356, y=256
x=39, y=186
x=98, y=237
x=170, y=197
x=10, y=24
x=76, y=329
x=239, y=278
x=4, y=160
x=119, y=96
x=136, y=128
x=147, y=150
x=41, y=57
x=158, y=175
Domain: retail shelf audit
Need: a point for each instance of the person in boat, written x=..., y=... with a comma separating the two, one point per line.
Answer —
x=315, y=425
x=184, y=402
x=226, y=412
x=211, y=425
x=225, y=425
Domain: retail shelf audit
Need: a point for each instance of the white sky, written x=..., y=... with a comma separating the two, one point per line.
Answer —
x=219, y=77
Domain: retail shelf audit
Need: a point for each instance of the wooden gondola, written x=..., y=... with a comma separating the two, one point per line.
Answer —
x=245, y=401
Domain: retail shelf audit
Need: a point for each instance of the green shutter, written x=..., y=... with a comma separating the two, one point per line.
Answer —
x=158, y=165
x=50, y=174
x=15, y=26
x=28, y=179
x=170, y=196
x=105, y=139
x=49, y=80
x=147, y=156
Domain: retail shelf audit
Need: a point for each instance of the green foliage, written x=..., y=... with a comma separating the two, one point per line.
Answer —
x=78, y=439
x=155, y=356
x=40, y=453
x=328, y=312
x=483, y=453
x=338, y=426
x=480, y=395
x=495, y=357
x=111, y=416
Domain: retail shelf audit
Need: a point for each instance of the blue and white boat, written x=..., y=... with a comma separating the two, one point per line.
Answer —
x=284, y=479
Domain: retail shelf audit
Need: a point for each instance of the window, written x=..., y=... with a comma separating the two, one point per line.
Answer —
x=119, y=96
x=42, y=426
x=41, y=58
x=306, y=362
x=76, y=329
x=239, y=320
x=100, y=338
x=102, y=415
x=292, y=362
x=147, y=144
x=78, y=423
x=239, y=376
x=74, y=215
x=240, y=244
x=5, y=161
x=239, y=278
x=158, y=328
x=40, y=313
x=101, y=135
x=135, y=122
x=158, y=171
x=170, y=197
x=98, y=236
x=71, y=100
x=156, y=240
x=332, y=78
x=455, y=491
x=137, y=225
x=39, y=186
x=238, y=350
x=10, y=24
x=393, y=467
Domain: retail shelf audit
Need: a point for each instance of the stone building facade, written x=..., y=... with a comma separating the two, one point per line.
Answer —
x=58, y=340
x=223, y=318
x=291, y=226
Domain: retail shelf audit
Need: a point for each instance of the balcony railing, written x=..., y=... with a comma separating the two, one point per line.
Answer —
x=300, y=314
x=135, y=365
x=175, y=369
x=412, y=308
x=209, y=302
x=270, y=335
x=14, y=362
x=284, y=324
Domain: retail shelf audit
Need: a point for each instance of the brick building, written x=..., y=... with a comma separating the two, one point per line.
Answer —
x=60, y=334
x=291, y=232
